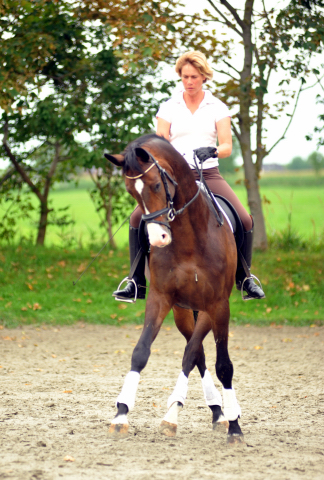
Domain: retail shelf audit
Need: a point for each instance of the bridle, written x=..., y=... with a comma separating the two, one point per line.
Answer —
x=169, y=210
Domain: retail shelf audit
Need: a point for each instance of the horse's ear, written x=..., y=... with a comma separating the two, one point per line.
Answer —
x=117, y=160
x=142, y=154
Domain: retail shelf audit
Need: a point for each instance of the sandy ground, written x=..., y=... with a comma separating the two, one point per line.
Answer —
x=58, y=387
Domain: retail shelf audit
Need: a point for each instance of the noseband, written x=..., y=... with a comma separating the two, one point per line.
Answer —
x=169, y=211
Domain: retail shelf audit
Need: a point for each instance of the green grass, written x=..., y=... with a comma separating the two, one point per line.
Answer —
x=36, y=284
x=295, y=196
x=36, y=287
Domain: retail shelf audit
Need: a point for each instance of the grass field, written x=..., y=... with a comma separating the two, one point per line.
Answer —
x=36, y=283
x=298, y=197
x=36, y=286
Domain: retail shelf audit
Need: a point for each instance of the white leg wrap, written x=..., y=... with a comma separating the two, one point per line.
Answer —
x=211, y=394
x=128, y=393
x=120, y=420
x=179, y=393
x=232, y=410
x=172, y=414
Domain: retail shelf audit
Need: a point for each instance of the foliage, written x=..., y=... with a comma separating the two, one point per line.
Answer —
x=113, y=204
x=15, y=205
x=83, y=91
x=148, y=32
x=316, y=160
x=298, y=163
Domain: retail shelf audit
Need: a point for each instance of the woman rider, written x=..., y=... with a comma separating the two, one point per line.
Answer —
x=192, y=119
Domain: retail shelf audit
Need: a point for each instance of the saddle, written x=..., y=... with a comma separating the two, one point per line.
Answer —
x=233, y=218
x=231, y=214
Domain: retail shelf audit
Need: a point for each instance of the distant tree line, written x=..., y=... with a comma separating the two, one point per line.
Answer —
x=314, y=161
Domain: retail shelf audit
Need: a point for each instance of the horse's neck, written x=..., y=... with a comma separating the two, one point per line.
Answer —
x=195, y=217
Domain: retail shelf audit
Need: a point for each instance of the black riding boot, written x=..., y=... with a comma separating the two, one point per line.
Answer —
x=139, y=275
x=253, y=291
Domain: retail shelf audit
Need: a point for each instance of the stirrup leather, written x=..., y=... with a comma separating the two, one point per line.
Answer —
x=127, y=300
x=247, y=297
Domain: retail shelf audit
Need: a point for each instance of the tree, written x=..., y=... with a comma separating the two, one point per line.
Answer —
x=298, y=163
x=316, y=160
x=47, y=124
x=86, y=91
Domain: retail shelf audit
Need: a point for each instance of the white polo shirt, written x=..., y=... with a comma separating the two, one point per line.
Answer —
x=190, y=131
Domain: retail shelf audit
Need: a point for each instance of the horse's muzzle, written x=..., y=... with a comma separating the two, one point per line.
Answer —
x=159, y=235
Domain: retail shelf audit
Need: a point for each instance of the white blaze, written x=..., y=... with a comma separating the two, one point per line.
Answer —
x=139, y=187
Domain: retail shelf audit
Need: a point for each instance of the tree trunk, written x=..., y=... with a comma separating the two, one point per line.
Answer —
x=42, y=224
x=109, y=226
x=250, y=170
x=255, y=203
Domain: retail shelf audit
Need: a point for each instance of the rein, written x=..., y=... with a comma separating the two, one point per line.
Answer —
x=169, y=211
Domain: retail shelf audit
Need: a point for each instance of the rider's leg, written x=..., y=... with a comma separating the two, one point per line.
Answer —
x=253, y=290
x=139, y=277
x=218, y=185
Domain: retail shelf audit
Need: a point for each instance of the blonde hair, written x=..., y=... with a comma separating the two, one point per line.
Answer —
x=197, y=60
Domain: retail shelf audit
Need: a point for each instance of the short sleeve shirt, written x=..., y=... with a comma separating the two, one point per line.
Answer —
x=190, y=131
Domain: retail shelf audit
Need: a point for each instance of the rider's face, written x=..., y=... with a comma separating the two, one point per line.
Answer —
x=192, y=79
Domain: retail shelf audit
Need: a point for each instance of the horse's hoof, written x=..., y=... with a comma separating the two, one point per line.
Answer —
x=168, y=429
x=221, y=426
x=235, y=439
x=118, y=430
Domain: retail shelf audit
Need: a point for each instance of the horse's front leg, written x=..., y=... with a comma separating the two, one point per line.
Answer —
x=156, y=311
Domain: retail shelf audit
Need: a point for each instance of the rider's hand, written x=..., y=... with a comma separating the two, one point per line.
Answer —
x=203, y=153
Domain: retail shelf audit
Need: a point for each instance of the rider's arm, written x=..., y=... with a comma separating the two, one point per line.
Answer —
x=163, y=128
x=224, y=135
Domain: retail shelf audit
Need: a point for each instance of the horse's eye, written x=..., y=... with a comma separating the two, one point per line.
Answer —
x=157, y=187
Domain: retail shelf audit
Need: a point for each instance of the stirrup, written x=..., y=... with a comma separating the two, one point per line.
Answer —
x=245, y=298
x=127, y=300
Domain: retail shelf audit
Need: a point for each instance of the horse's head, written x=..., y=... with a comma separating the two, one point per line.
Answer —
x=152, y=185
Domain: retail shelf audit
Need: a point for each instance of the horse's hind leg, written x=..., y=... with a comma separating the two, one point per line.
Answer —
x=154, y=316
x=224, y=372
x=212, y=396
x=194, y=355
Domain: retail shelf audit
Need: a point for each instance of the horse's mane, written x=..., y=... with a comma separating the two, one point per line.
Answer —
x=130, y=159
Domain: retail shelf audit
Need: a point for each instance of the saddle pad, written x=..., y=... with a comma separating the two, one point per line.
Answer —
x=233, y=217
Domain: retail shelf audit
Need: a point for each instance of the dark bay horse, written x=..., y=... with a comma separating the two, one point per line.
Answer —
x=192, y=265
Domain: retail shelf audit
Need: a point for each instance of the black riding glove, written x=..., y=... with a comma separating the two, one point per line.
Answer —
x=203, y=153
